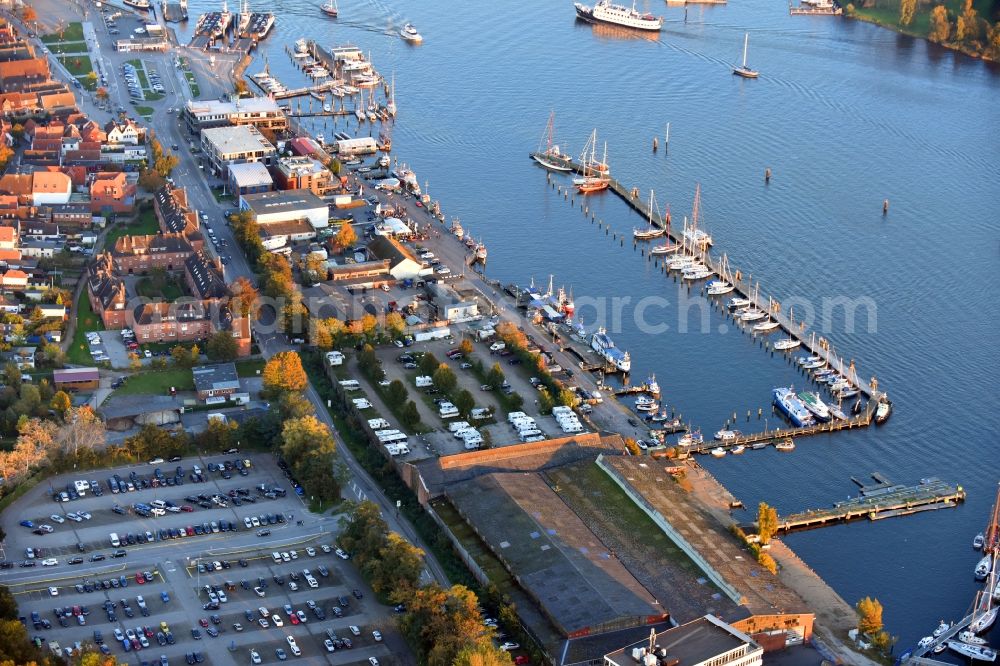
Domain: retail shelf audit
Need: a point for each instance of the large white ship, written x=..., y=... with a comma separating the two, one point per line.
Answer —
x=605, y=11
x=605, y=346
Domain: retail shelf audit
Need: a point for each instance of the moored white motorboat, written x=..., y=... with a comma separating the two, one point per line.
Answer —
x=718, y=288
x=815, y=405
x=752, y=314
x=718, y=452
x=977, y=541
x=726, y=435
x=766, y=326
x=738, y=449
x=690, y=438
x=786, y=344
x=977, y=652
x=785, y=445
x=941, y=628
x=983, y=567
x=737, y=303
x=971, y=638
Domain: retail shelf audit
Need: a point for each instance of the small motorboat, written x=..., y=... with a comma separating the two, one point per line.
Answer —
x=650, y=406
x=737, y=303
x=883, y=411
x=813, y=365
x=983, y=568
x=690, y=439
x=726, y=435
x=941, y=628
x=802, y=360
x=971, y=638
x=410, y=34
x=738, y=449
x=718, y=452
x=925, y=641
x=786, y=344
x=785, y=445
x=978, y=541
x=718, y=288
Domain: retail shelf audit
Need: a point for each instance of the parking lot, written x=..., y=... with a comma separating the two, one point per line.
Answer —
x=87, y=588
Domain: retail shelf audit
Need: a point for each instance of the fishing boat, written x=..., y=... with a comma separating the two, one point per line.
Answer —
x=883, y=411
x=977, y=652
x=651, y=231
x=605, y=11
x=815, y=405
x=410, y=34
x=330, y=8
x=978, y=541
x=738, y=449
x=765, y=326
x=718, y=288
x=789, y=404
x=743, y=70
x=605, y=346
x=786, y=343
x=456, y=228
x=647, y=407
x=652, y=386
x=550, y=156
x=971, y=638
x=718, y=452
x=595, y=173
x=690, y=439
x=984, y=567
x=785, y=445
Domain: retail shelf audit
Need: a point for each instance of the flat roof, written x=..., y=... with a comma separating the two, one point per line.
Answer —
x=75, y=375
x=216, y=377
x=250, y=174
x=580, y=583
x=692, y=644
x=236, y=139
x=244, y=105
x=283, y=201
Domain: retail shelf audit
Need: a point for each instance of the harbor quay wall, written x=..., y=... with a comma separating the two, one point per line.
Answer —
x=675, y=536
x=497, y=454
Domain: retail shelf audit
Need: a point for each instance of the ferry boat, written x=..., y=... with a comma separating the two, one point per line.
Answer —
x=883, y=411
x=786, y=401
x=815, y=405
x=330, y=8
x=255, y=25
x=410, y=34
x=138, y=4
x=605, y=11
x=977, y=652
x=605, y=346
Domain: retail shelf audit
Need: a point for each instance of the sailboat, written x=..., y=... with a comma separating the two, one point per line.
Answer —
x=696, y=236
x=595, y=174
x=743, y=70
x=666, y=247
x=551, y=157
x=330, y=8
x=651, y=231
x=390, y=105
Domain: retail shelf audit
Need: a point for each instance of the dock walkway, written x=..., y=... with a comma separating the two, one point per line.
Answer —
x=884, y=502
x=745, y=289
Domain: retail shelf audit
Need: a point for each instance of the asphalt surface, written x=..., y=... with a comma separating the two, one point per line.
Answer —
x=173, y=564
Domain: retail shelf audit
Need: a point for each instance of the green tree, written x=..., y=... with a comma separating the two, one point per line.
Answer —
x=184, y=357
x=428, y=364
x=151, y=181
x=284, y=372
x=294, y=405
x=767, y=522
x=567, y=398
x=495, y=377
x=545, y=402
x=222, y=346
x=445, y=379
x=61, y=402
x=8, y=604
x=397, y=567
x=465, y=346
x=395, y=393
x=409, y=415
x=442, y=623
x=303, y=437
x=940, y=25
x=363, y=532
x=394, y=324
x=869, y=616
x=464, y=402
x=515, y=402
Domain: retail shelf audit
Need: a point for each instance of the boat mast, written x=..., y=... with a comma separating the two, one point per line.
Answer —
x=746, y=38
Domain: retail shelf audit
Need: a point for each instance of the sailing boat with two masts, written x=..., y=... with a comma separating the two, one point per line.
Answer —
x=743, y=70
x=551, y=157
x=595, y=173
x=651, y=231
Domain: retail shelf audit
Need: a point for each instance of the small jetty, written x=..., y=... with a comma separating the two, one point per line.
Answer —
x=815, y=10
x=744, y=288
x=883, y=499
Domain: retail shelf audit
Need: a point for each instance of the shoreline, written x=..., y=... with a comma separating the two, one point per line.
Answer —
x=900, y=30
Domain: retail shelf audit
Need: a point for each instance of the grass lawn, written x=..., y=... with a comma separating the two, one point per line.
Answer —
x=144, y=110
x=69, y=47
x=171, y=291
x=249, y=367
x=192, y=83
x=145, y=225
x=158, y=382
x=886, y=14
x=72, y=33
x=86, y=321
x=78, y=65
x=87, y=83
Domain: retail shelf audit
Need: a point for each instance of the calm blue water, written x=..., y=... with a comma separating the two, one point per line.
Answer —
x=846, y=115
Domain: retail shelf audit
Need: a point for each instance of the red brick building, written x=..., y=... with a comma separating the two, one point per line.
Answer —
x=140, y=254
x=111, y=191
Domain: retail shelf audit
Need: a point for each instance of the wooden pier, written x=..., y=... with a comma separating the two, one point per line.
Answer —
x=878, y=502
x=744, y=288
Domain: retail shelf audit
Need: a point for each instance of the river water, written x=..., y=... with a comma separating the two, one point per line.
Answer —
x=845, y=115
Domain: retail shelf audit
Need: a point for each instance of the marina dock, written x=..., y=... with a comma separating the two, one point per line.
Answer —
x=744, y=288
x=882, y=500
